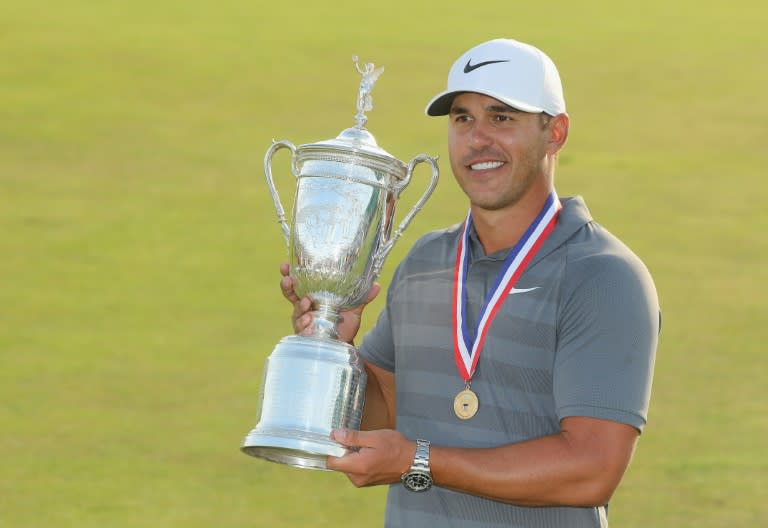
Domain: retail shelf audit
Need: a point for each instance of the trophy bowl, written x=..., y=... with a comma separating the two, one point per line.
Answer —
x=347, y=189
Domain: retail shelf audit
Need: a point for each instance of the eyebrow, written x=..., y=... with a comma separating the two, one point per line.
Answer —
x=502, y=108
x=494, y=107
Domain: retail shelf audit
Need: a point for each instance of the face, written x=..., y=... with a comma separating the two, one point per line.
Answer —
x=499, y=155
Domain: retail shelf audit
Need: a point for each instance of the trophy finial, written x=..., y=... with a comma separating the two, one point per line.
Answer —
x=364, y=98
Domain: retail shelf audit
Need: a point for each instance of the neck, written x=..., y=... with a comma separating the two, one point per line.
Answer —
x=502, y=228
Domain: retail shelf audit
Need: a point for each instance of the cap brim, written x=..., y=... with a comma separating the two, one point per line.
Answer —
x=440, y=105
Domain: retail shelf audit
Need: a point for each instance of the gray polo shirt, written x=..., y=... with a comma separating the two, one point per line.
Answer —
x=576, y=337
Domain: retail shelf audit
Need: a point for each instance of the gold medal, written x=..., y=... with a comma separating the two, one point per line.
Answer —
x=465, y=404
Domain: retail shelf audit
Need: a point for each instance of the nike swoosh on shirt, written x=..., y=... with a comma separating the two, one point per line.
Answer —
x=522, y=290
x=469, y=67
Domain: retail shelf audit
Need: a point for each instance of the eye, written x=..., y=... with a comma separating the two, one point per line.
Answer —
x=502, y=118
x=461, y=118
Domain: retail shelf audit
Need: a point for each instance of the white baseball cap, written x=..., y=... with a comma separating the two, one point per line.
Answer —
x=513, y=72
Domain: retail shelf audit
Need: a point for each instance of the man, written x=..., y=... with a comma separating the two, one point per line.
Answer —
x=509, y=374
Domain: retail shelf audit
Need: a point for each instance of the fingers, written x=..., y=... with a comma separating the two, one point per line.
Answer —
x=300, y=317
x=286, y=284
x=302, y=320
x=373, y=457
x=349, y=437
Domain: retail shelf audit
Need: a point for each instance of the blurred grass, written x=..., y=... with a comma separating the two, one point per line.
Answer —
x=139, y=247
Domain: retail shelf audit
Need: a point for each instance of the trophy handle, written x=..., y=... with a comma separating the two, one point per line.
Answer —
x=277, y=145
x=387, y=246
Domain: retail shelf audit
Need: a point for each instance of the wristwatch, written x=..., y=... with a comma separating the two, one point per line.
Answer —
x=419, y=476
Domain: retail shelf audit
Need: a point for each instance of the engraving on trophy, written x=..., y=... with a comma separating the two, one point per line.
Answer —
x=337, y=227
x=330, y=219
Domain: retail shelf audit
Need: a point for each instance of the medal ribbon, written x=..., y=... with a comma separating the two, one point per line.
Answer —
x=467, y=352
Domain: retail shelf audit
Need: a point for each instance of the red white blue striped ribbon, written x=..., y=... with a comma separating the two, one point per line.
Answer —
x=466, y=351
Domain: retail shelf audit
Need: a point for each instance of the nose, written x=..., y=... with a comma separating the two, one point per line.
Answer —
x=480, y=135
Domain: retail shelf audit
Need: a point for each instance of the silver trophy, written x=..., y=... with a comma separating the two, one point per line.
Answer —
x=344, y=206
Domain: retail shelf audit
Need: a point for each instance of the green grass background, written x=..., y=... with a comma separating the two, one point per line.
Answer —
x=139, y=246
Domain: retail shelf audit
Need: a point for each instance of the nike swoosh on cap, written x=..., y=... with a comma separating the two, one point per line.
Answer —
x=470, y=67
x=522, y=290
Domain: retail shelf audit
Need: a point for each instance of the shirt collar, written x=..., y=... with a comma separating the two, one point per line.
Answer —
x=572, y=217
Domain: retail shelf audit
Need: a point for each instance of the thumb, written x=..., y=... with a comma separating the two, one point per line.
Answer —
x=348, y=437
x=373, y=293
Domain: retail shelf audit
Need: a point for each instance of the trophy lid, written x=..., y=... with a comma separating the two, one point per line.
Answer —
x=357, y=145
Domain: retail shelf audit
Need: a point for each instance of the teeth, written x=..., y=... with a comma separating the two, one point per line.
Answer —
x=487, y=165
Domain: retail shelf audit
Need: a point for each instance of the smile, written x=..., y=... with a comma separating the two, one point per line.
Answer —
x=486, y=165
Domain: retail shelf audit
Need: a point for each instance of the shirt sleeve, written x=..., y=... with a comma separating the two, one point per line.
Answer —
x=607, y=336
x=378, y=345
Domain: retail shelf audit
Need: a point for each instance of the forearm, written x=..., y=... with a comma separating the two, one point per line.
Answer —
x=379, y=409
x=581, y=468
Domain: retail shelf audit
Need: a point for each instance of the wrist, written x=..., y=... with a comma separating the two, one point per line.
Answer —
x=410, y=456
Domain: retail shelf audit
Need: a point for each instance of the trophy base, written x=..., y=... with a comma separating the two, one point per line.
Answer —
x=311, y=387
x=293, y=448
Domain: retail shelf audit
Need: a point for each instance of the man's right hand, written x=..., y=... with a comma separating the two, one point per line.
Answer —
x=302, y=318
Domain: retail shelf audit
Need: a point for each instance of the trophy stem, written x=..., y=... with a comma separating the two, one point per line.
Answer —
x=324, y=322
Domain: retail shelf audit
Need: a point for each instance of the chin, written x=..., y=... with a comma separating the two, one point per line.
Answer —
x=489, y=203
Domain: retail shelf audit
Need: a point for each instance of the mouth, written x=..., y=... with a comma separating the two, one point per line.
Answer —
x=486, y=165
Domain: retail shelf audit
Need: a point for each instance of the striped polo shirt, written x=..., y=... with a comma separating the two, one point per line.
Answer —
x=576, y=337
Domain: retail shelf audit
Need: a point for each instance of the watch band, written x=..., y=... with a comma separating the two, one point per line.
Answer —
x=419, y=476
x=421, y=460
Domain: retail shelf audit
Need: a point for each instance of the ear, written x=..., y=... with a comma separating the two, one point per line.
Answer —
x=558, y=132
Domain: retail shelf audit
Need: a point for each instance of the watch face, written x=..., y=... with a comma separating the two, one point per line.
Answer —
x=416, y=481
